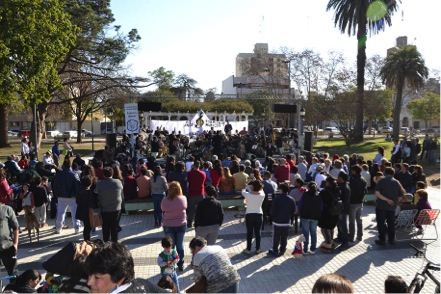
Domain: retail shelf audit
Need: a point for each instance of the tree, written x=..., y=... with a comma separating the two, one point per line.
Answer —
x=425, y=108
x=356, y=17
x=162, y=78
x=404, y=67
x=93, y=65
x=185, y=87
x=35, y=36
x=341, y=111
x=378, y=105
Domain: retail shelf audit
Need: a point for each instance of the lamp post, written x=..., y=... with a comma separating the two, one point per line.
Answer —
x=111, y=121
x=287, y=61
x=301, y=115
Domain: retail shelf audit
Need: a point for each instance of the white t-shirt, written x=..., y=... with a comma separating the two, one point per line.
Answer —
x=254, y=201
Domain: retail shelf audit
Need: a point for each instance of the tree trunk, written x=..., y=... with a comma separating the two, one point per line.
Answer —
x=79, y=128
x=361, y=63
x=397, y=110
x=4, y=138
x=41, y=122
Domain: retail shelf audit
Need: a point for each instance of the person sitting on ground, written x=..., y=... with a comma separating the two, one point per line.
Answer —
x=111, y=269
x=333, y=283
x=25, y=283
x=395, y=284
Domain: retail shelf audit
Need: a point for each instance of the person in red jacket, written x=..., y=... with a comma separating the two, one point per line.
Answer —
x=196, y=191
x=282, y=171
x=216, y=174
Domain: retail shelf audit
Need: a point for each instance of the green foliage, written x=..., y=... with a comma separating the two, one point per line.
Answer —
x=162, y=78
x=378, y=104
x=425, y=108
x=221, y=105
x=35, y=35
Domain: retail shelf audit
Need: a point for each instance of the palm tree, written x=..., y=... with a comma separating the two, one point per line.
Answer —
x=404, y=67
x=351, y=16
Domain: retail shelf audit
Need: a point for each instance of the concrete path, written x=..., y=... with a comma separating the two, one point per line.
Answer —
x=366, y=264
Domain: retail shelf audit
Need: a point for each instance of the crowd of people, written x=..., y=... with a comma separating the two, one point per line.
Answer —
x=313, y=190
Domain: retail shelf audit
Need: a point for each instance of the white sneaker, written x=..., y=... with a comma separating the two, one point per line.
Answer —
x=311, y=252
x=58, y=231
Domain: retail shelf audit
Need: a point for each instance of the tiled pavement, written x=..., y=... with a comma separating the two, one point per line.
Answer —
x=365, y=263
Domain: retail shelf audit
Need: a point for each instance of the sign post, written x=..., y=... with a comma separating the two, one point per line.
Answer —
x=132, y=118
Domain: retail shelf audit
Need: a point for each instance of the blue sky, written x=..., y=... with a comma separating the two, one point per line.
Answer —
x=202, y=38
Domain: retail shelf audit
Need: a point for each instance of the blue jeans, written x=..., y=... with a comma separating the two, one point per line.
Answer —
x=177, y=234
x=157, y=199
x=309, y=226
x=343, y=227
x=383, y=217
x=355, y=217
x=174, y=277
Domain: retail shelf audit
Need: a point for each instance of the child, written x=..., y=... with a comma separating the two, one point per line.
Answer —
x=168, y=259
x=41, y=201
x=167, y=284
x=27, y=197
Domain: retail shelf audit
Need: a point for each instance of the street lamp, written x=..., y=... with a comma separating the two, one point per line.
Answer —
x=301, y=115
x=111, y=121
x=287, y=61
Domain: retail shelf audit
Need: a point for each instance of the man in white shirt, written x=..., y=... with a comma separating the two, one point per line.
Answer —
x=313, y=166
x=302, y=166
x=319, y=177
x=25, y=147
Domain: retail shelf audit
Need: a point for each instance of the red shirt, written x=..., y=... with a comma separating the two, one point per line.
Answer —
x=290, y=162
x=196, y=180
x=99, y=173
x=129, y=188
x=215, y=178
x=282, y=173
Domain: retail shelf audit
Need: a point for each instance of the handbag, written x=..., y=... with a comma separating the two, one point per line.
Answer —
x=95, y=218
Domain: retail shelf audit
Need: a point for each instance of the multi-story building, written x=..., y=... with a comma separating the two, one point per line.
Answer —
x=259, y=71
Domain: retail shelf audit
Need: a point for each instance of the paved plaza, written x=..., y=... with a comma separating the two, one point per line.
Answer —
x=365, y=263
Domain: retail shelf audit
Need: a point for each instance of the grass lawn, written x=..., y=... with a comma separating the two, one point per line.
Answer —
x=85, y=148
x=368, y=148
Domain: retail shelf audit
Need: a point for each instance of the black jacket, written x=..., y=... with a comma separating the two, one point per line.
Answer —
x=345, y=196
x=283, y=209
x=358, y=189
x=209, y=212
x=310, y=206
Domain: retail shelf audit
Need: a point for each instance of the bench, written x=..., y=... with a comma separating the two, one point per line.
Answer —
x=146, y=204
x=139, y=204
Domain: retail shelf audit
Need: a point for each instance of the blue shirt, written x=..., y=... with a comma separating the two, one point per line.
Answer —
x=56, y=150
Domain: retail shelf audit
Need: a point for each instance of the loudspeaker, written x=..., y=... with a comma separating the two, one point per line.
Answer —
x=284, y=108
x=307, y=145
x=149, y=106
x=111, y=140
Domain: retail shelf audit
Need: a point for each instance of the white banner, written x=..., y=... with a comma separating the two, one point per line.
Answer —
x=186, y=127
x=132, y=118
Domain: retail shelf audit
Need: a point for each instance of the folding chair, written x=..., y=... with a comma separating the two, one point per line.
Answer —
x=405, y=220
x=426, y=218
